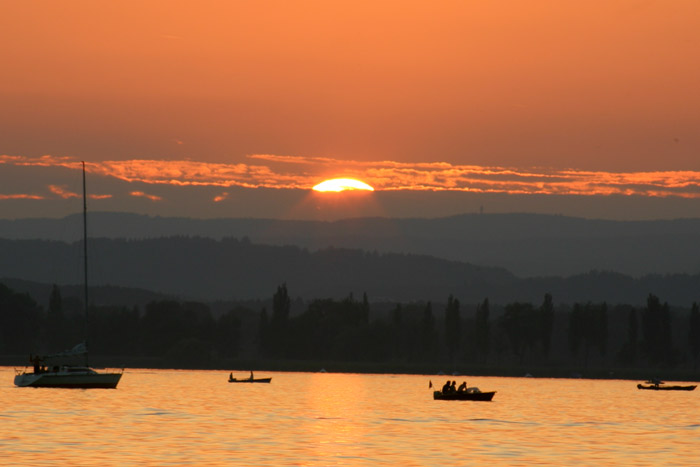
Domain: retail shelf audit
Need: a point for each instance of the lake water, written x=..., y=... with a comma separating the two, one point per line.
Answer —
x=168, y=417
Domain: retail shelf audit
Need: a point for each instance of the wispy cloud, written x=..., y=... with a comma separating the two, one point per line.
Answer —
x=141, y=194
x=62, y=192
x=221, y=197
x=20, y=196
x=298, y=172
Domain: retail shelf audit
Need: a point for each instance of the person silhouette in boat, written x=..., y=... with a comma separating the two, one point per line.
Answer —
x=462, y=387
x=453, y=387
x=446, y=387
x=230, y=376
x=36, y=361
x=251, y=376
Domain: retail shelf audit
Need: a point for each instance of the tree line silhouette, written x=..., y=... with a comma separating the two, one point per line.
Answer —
x=188, y=334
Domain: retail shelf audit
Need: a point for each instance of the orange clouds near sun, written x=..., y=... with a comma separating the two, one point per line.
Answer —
x=141, y=194
x=303, y=173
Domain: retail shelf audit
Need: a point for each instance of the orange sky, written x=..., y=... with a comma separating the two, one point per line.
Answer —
x=577, y=97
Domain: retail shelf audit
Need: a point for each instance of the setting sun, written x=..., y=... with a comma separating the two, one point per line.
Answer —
x=342, y=184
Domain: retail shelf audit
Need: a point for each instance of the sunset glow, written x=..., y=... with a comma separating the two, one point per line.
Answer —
x=302, y=173
x=342, y=184
x=166, y=99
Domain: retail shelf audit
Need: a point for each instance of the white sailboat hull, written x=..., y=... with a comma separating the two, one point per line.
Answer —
x=79, y=378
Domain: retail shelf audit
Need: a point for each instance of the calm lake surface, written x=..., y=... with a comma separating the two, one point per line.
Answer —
x=168, y=417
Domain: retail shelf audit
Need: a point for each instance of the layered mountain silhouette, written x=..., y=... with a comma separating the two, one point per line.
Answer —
x=204, y=268
x=528, y=245
x=246, y=259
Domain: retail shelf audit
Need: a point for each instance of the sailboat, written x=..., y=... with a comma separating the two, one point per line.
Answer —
x=59, y=370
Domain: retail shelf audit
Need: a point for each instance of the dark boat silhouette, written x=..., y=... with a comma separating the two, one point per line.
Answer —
x=248, y=380
x=656, y=385
x=251, y=379
x=471, y=395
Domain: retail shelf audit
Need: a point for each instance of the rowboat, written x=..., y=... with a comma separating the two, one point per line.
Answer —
x=463, y=395
x=659, y=387
x=248, y=380
x=251, y=379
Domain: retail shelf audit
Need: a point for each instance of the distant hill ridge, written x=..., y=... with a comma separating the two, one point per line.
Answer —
x=528, y=245
x=203, y=268
x=198, y=268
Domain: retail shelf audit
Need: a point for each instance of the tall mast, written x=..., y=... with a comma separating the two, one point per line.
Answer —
x=85, y=265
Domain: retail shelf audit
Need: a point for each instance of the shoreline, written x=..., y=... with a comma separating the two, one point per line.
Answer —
x=397, y=368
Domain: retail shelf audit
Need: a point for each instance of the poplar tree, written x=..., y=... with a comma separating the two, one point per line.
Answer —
x=546, y=322
x=482, y=329
x=694, y=333
x=656, y=331
x=277, y=335
x=428, y=331
x=453, y=326
x=55, y=319
x=632, y=335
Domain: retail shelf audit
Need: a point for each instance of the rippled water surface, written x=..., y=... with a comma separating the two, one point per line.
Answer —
x=164, y=417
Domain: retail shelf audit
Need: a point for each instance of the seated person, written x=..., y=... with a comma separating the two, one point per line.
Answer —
x=446, y=387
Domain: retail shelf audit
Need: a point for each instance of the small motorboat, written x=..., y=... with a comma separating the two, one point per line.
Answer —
x=68, y=376
x=471, y=394
x=251, y=379
x=659, y=386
